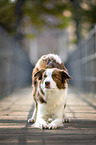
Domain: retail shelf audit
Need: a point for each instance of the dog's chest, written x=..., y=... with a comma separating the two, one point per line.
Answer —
x=55, y=101
x=55, y=97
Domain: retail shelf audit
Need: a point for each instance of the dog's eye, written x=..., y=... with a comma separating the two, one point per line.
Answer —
x=56, y=76
x=45, y=76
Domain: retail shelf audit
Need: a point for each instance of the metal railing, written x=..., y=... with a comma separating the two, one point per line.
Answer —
x=15, y=67
x=82, y=63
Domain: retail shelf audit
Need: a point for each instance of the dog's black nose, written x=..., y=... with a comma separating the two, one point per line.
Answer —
x=47, y=84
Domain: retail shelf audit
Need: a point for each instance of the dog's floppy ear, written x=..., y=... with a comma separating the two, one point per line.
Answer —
x=39, y=73
x=65, y=75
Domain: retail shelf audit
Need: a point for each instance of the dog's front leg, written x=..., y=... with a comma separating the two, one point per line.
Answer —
x=65, y=118
x=33, y=118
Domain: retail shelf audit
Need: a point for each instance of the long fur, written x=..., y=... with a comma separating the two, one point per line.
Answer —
x=49, y=102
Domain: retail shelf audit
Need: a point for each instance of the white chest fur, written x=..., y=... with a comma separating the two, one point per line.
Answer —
x=55, y=104
x=55, y=97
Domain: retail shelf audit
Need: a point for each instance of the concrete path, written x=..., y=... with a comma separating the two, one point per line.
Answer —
x=17, y=108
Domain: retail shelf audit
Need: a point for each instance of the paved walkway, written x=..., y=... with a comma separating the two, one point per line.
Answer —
x=17, y=108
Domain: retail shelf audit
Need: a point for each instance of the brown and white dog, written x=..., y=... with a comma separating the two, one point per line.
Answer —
x=49, y=79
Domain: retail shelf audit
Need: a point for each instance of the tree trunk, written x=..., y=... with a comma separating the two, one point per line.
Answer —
x=19, y=16
x=76, y=16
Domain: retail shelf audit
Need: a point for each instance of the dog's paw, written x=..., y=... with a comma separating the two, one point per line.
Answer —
x=41, y=123
x=31, y=120
x=52, y=126
x=66, y=120
x=43, y=126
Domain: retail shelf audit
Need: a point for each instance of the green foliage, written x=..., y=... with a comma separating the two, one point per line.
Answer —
x=49, y=13
x=30, y=36
x=7, y=15
x=45, y=13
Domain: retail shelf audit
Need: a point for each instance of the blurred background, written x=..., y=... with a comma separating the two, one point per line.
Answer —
x=32, y=28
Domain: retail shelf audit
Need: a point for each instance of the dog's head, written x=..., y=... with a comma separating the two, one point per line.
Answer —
x=53, y=78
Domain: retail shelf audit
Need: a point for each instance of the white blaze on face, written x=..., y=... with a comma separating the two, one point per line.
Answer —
x=49, y=79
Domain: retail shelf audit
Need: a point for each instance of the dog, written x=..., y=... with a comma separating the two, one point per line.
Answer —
x=49, y=81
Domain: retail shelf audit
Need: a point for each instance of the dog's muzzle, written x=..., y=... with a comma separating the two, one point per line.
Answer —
x=47, y=85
